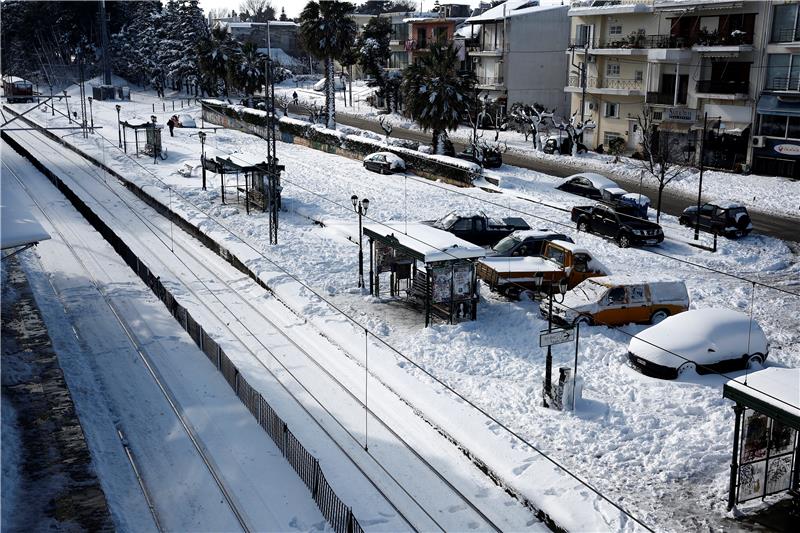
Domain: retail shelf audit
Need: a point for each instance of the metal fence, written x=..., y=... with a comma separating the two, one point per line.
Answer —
x=338, y=515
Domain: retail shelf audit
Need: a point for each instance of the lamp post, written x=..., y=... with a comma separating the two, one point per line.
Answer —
x=202, y=136
x=66, y=99
x=700, y=185
x=91, y=115
x=548, y=369
x=155, y=153
x=52, y=103
x=360, y=207
x=119, y=125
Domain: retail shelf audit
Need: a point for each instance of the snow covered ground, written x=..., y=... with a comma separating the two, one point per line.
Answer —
x=661, y=449
x=771, y=194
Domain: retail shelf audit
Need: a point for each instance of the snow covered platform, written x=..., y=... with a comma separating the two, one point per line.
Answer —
x=19, y=227
x=766, y=456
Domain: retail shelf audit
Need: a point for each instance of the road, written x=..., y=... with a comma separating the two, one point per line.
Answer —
x=672, y=202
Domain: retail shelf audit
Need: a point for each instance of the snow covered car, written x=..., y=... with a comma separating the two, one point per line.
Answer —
x=526, y=243
x=338, y=84
x=620, y=300
x=587, y=184
x=561, y=146
x=491, y=158
x=384, y=162
x=723, y=218
x=706, y=340
x=186, y=121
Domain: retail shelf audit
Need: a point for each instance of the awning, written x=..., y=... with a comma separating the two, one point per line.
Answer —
x=674, y=126
x=772, y=104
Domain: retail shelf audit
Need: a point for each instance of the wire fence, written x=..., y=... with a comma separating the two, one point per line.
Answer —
x=307, y=467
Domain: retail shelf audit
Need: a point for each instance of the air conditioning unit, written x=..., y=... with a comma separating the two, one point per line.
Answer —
x=590, y=106
x=758, y=141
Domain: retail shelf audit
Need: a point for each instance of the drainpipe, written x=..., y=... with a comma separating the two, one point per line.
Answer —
x=677, y=83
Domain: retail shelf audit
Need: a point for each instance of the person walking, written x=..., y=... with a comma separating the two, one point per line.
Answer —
x=295, y=98
x=171, y=125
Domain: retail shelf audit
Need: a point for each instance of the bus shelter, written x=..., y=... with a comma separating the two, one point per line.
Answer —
x=766, y=456
x=426, y=266
x=252, y=180
x=149, y=133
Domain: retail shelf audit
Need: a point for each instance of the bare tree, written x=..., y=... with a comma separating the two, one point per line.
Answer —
x=532, y=119
x=283, y=102
x=574, y=129
x=663, y=156
x=314, y=111
x=257, y=10
x=386, y=126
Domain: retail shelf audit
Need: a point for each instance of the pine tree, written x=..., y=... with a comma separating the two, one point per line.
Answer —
x=327, y=31
x=436, y=93
x=374, y=52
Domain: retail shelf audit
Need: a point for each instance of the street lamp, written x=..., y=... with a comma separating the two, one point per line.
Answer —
x=66, y=99
x=202, y=136
x=91, y=116
x=155, y=153
x=700, y=185
x=52, y=103
x=119, y=125
x=548, y=369
x=361, y=209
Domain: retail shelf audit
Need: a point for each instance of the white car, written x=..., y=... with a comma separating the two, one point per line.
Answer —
x=706, y=340
x=384, y=163
x=338, y=84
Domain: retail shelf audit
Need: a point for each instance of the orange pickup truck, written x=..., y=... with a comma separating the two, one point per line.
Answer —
x=513, y=276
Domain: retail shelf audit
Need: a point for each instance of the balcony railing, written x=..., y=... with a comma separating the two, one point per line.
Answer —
x=723, y=87
x=640, y=41
x=607, y=83
x=490, y=80
x=783, y=83
x=664, y=98
x=786, y=35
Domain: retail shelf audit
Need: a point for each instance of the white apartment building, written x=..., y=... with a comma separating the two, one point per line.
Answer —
x=681, y=58
x=515, y=52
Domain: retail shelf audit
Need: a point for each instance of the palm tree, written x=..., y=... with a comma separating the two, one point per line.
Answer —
x=327, y=32
x=218, y=57
x=250, y=70
x=436, y=93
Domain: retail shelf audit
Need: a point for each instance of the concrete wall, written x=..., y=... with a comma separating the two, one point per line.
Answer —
x=535, y=64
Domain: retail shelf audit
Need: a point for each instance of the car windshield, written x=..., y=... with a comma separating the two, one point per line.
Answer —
x=556, y=254
x=506, y=244
x=589, y=290
x=736, y=210
x=447, y=220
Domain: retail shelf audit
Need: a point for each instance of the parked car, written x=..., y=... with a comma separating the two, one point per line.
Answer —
x=561, y=146
x=619, y=300
x=338, y=84
x=384, y=163
x=526, y=243
x=624, y=227
x=587, y=184
x=478, y=228
x=560, y=261
x=491, y=158
x=706, y=340
x=722, y=218
x=612, y=194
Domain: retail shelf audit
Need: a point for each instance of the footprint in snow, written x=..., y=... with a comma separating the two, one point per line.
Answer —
x=520, y=469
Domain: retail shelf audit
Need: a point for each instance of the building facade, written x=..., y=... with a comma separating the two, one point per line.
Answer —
x=677, y=60
x=511, y=47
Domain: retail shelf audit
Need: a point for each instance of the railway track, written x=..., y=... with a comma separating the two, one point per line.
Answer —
x=71, y=242
x=229, y=301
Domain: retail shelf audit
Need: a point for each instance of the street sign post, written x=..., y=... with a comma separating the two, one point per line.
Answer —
x=557, y=336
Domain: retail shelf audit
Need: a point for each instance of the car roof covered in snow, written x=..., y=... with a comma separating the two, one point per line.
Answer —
x=388, y=155
x=637, y=198
x=572, y=247
x=507, y=265
x=19, y=226
x=727, y=204
x=773, y=391
x=624, y=279
x=535, y=233
x=616, y=190
x=598, y=180
x=426, y=242
x=703, y=336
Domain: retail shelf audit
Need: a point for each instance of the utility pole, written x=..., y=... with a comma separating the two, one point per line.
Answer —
x=582, y=67
x=104, y=38
x=700, y=185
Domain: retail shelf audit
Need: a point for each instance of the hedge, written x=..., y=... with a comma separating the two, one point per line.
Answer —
x=430, y=166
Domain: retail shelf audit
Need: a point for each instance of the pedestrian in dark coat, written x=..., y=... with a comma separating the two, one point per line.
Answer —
x=295, y=98
x=171, y=125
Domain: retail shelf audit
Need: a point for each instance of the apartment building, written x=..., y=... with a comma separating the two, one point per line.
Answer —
x=775, y=146
x=515, y=55
x=426, y=29
x=401, y=32
x=681, y=59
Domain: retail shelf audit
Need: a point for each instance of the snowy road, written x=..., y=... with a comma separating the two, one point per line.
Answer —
x=150, y=383
x=430, y=482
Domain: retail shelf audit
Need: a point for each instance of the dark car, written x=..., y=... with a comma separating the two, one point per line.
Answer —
x=561, y=146
x=478, y=229
x=384, y=162
x=491, y=158
x=526, y=243
x=728, y=219
x=625, y=228
x=587, y=184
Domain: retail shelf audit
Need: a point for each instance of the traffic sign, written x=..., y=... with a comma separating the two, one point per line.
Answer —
x=557, y=336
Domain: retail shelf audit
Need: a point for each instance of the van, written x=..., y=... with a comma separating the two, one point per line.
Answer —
x=618, y=300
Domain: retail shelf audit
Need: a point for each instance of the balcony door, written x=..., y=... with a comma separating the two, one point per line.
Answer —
x=668, y=87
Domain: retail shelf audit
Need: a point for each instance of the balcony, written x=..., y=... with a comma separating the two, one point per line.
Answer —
x=786, y=35
x=736, y=41
x=719, y=87
x=614, y=86
x=787, y=84
x=489, y=82
x=662, y=98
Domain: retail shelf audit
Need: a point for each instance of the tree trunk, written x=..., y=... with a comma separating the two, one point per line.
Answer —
x=537, y=142
x=439, y=138
x=658, y=202
x=330, y=94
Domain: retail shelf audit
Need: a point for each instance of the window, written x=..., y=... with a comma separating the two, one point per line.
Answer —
x=556, y=254
x=581, y=262
x=636, y=293
x=783, y=72
x=479, y=224
x=612, y=70
x=582, y=32
x=784, y=23
x=638, y=75
x=400, y=31
x=616, y=296
x=794, y=128
x=773, y=126
x=463, y=224
x=609, y=136
x=611, y=109
x=615, y=30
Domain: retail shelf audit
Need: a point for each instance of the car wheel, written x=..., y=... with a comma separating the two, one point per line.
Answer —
x=755, y=361
x=624, y=241
x=659, y=316
x=683, y=221
x=583, y=226
x=583, y=320
x=687, y=367
x=384, y=170
x=527, y=295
